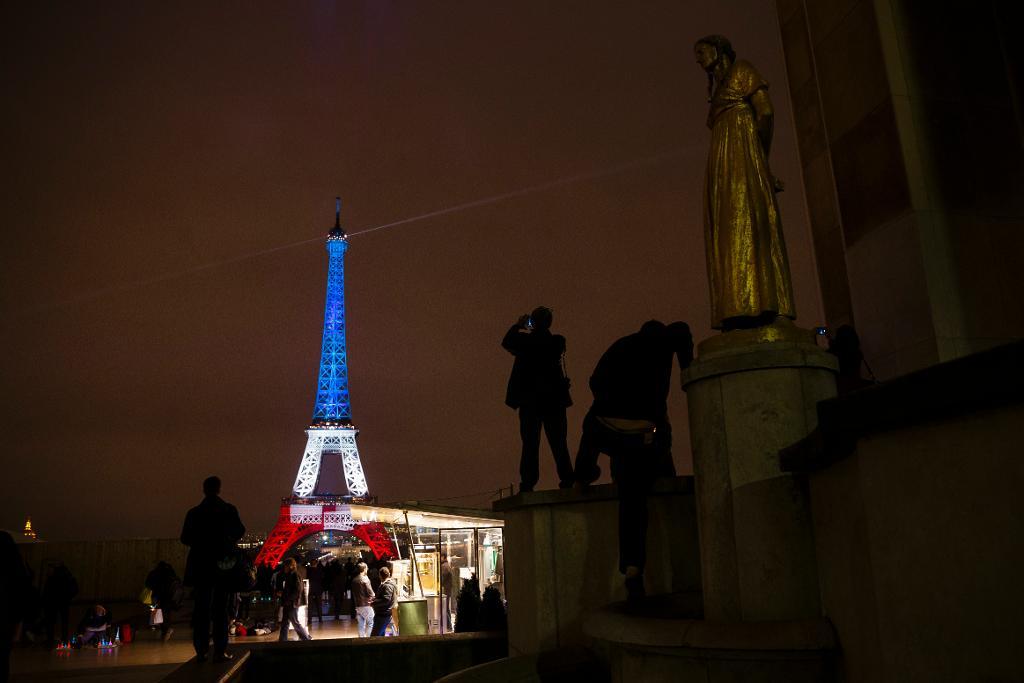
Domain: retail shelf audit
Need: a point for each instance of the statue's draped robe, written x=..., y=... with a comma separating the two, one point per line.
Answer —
x=748, y=271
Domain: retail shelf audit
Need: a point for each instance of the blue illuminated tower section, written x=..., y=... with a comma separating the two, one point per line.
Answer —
x=332, y=402
x=331, y=430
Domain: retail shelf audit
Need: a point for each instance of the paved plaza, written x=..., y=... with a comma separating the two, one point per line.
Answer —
x=145, y=660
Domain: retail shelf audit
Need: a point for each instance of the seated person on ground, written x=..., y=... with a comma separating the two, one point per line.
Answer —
x=95, y=624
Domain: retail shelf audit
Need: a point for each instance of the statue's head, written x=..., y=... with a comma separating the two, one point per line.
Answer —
x=710, y=50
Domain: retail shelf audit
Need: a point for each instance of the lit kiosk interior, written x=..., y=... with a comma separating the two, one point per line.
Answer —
x=421, y=532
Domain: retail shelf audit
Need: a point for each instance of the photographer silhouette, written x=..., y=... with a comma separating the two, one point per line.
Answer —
x=539, y=390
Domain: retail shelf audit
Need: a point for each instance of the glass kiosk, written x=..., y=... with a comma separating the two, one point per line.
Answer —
x=478, y=551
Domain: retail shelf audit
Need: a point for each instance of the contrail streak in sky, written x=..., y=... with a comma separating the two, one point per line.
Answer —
x=592, y=175
x=646, y=161
x=123, y=287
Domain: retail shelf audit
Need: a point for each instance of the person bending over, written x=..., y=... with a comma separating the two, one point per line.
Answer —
x=628, y=421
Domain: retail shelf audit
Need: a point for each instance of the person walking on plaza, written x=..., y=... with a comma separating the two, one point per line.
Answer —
x=629, y=421
x=291, y=598
x=58, y=592
x=362, y=595
x=211, y=531
x=384, y=602
x=165, y=584
x=539, y=390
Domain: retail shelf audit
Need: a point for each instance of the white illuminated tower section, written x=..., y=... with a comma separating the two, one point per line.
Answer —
x=331, y=430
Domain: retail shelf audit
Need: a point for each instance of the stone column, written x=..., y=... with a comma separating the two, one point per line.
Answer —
x=751, y=393
x=913, y=161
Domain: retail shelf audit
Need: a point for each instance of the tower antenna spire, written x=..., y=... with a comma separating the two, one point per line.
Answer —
x=337, y=213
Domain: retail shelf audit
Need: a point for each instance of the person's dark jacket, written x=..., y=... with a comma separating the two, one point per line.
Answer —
x=447, y=579
x=15, y=586
x=386, y=598
x=315, y=574
x=537, y=378
x=633, y=377
x=339, y=580
x=373, y=574
x=210, y=531
x=60, y=587
x=291, y=589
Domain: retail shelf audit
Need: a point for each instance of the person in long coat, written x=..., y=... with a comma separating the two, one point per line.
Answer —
x=211, y=531
x=290, y=597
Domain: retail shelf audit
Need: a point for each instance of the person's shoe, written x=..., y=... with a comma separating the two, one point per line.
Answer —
x=223, y=657
x=167, y=636
x=201, y=658
x=635, y=588
x=565, y=484
x=525, y=489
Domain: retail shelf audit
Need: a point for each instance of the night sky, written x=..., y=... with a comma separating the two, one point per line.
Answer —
x=169, y=176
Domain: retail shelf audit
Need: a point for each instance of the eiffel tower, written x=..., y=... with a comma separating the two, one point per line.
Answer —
x=330, y=433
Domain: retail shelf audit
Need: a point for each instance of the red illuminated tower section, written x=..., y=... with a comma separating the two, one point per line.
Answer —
x=330, y=433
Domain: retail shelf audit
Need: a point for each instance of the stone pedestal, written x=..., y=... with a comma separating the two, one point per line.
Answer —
x=637, y=648
x=561, y=558
x=751, y=393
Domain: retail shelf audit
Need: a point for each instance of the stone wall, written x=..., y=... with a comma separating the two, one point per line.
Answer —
x=915, y=494
x=106, y=570
x=561, y=558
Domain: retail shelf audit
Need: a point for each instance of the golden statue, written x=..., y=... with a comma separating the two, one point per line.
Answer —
x=748, y=271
